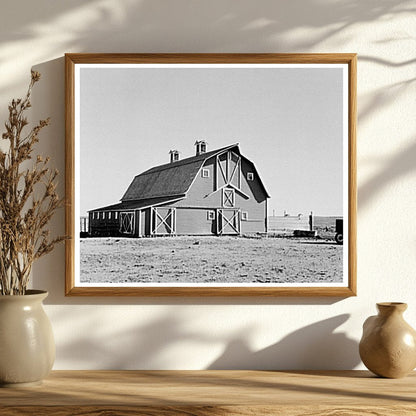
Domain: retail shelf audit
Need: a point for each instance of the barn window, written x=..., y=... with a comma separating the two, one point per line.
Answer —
x=116, y=215
x=205, y=173
x=250, y=176
x=244, y=215
x=211, y=215
x=228, y=198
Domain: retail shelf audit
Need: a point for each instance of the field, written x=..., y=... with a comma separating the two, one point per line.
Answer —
x=210, y=260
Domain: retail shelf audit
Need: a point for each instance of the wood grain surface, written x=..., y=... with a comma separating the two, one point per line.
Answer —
x=202, y=393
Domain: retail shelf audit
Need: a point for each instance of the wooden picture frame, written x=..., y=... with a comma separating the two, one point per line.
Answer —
x=170, y=87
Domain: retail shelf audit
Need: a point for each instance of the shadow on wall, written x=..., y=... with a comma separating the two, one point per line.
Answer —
x=314, y=347
x=150, y=26
x=152, y=345
x=250, y=27
x=397, y=166
x=144, y=347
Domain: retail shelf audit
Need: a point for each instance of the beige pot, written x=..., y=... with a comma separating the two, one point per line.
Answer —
x=388, y=344
x=27, y=347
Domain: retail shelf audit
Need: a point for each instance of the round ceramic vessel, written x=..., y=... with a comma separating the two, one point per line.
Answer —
x=388, y=345
x=27, y=347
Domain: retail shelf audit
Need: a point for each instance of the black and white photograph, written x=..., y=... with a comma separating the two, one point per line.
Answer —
x=211, y=175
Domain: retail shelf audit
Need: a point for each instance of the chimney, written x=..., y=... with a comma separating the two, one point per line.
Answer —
x=201, y=147
x=174, y=156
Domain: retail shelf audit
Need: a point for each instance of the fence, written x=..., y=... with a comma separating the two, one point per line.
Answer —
x=289, y=223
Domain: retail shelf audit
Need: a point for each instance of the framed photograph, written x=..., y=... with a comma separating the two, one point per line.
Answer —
x=211, y=174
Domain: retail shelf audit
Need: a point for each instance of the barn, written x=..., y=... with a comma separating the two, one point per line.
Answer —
x=216, y=192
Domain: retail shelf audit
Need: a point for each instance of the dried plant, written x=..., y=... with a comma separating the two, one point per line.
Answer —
x=28, y=199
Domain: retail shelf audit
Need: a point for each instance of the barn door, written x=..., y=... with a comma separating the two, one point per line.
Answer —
x=127, y=222
x=228, y=222
x=164, y=221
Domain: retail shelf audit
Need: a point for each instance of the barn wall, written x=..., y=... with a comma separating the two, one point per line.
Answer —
x=202, y=187
x=255, y=205
x=256, y=222
x=193, y=221
x=251, y=187
x=256, y=210
x=143, y=219
x=253, y=226
x=104, y=226
x=137, y=223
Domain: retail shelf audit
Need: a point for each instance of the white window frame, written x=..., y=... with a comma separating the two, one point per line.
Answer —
x=210, y=215
x=250, y=176
x=226, y=199
x=244, y=215
x=205, y=173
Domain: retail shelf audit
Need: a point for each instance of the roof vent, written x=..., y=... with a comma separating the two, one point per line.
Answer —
x=201, y=147
x=174, y=156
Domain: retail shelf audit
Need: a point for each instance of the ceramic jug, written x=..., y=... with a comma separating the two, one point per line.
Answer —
x=388, y=345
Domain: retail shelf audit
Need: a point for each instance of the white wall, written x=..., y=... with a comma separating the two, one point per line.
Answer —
x=200, y=333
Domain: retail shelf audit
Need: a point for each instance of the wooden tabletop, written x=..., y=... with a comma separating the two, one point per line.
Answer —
x=202, y=393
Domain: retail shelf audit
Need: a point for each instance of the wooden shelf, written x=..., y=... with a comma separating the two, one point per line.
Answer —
x=202, y=393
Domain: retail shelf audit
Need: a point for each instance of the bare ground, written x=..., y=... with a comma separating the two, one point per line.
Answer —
x=210, y=260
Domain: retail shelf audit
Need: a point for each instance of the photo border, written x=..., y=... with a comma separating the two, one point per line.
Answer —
x=71, y=60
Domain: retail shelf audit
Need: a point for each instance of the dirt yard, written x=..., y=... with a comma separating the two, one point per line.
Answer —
x=210, y=260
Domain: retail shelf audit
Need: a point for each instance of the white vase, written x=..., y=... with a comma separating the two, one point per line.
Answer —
x=27, y=347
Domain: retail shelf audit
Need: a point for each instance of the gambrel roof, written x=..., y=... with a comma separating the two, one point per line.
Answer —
x=170, y=179
x=168, y=182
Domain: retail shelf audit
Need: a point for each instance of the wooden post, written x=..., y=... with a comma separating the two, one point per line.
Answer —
x=311, y=221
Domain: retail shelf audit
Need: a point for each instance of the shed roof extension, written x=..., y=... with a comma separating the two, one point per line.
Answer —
x=141, y=204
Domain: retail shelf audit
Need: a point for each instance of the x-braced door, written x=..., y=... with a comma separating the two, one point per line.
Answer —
x=127, y=222
x=228, y=222
x=163, y=221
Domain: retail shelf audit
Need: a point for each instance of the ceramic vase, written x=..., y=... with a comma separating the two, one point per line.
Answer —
x=388, y=345
x=27, y=347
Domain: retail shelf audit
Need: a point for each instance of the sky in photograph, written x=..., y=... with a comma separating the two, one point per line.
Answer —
x=288, y=121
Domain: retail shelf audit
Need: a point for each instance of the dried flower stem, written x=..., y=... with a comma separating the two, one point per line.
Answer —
x=23, y=217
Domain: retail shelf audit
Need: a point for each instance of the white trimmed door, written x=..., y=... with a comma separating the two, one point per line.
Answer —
x=127, y=223
x=163, y=221
x=228, y=222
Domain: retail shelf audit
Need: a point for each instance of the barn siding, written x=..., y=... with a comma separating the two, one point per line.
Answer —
x=142, y=222
x=197, y=222
x=253, y=226
x=107, y=226
x=251, y=187
x=201, y=187
x=137, y=225
x=194, y=221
